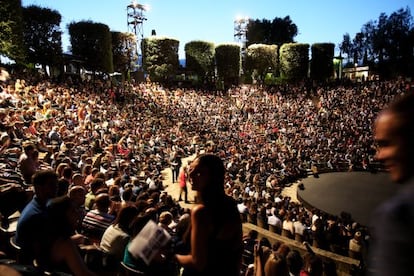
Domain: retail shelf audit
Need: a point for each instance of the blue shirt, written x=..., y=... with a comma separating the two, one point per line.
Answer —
x=31, y=227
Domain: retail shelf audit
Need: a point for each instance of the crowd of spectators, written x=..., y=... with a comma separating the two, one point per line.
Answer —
x=117, y=140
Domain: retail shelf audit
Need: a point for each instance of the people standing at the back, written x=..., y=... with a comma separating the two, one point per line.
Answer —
x=182, y=181
x=175, y=162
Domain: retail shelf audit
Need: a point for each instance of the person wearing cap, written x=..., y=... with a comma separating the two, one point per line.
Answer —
x=356, y=246
x=393, y=222
x=20, y=130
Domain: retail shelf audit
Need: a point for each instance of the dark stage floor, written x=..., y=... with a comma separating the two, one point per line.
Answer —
x=357, y=193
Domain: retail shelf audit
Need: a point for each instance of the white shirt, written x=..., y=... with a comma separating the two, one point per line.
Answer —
x=299, y=227
x=274, y=220
x=114, y=241
x=242, y=208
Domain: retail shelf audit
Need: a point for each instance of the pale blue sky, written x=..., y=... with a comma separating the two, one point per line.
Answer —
x=213, y=20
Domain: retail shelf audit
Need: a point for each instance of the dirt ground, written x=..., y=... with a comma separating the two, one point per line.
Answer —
x=173, y=189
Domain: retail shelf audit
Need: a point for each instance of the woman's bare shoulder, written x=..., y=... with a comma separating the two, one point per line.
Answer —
x=198, y=209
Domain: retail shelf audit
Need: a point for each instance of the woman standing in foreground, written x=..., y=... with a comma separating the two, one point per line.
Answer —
x=216, y=228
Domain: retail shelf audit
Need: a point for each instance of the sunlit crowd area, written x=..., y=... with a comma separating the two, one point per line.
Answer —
x=114, y=143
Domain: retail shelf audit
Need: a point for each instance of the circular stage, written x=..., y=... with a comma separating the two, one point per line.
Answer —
x=357, y=193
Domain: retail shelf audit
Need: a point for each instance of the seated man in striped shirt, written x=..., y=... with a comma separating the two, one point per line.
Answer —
x=97, y=220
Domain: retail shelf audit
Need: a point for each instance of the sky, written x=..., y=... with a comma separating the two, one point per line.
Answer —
x=213, y=20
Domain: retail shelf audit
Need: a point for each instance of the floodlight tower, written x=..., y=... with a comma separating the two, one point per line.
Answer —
x=240, y=31
x=135, y=20
x=240, y=36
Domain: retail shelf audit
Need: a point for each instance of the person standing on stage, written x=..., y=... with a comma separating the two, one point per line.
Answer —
x=182, y=181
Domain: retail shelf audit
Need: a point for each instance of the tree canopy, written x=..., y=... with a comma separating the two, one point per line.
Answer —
x=42, y=35
x=261, y=59
x=11, y=26
x=199, y=58
x=385, y=44
x=278, y=31
x=93, y=43
x=160, y=57
x=228, y=62
x=322, y=61
x=124, y=52
x=294, y=59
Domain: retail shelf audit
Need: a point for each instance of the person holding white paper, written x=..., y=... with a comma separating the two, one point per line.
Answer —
x=149, y=247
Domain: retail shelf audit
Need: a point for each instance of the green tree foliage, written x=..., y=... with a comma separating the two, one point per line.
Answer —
x=11, y=34
x=93, y=43
x=199, y=58
x=278, y=31
x=322, y=61
x=228, y=63
x=294, y=59
x=386, y=44
x=160, y=57
x=42, y=35
x=396, y=44
x=346, y=46
x=124, y=52
x=261, y=59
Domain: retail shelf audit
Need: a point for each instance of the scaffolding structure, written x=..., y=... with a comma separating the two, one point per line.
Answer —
x=240, y=36
x=240, y=31
x=135, y=21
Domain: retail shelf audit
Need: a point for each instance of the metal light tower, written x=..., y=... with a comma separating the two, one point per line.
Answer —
x=135, y=20
x=240, y=31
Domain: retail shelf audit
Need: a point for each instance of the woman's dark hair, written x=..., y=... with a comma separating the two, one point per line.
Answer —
x=214, y=191
x=215, y=166
x=125, y=217
x=139, y=222
x=276, y=265
x=294, y=261
x=312, y=264
x=265, y=242
x=96, y=184
x=87, y=169
x=114, y=193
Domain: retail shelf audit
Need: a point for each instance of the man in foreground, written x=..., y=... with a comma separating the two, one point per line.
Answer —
x=393, y=233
